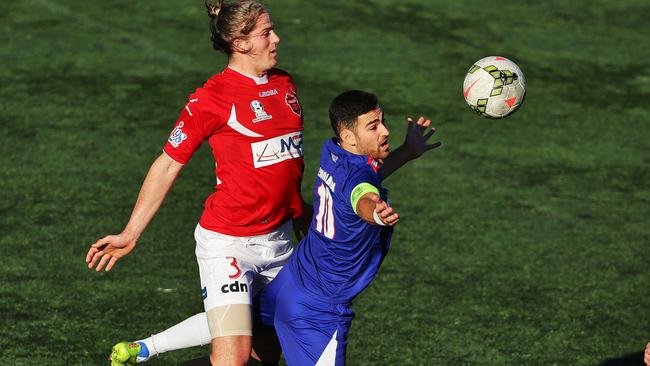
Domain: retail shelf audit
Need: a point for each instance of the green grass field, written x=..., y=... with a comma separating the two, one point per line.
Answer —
x=524, y=241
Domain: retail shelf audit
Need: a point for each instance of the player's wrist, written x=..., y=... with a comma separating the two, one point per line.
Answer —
x=129, y=235
x=378, y=221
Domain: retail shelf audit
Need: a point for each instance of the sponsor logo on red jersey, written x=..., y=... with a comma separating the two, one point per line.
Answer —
x=177, y=136
x=268, y=93
x=277, y=149
x=260, y=113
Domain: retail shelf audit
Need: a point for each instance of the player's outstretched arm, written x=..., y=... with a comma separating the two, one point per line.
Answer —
x=109, y=249
x=373, y=210
x=415, y=144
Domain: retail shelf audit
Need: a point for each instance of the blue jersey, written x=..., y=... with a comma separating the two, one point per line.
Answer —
x=341, y=253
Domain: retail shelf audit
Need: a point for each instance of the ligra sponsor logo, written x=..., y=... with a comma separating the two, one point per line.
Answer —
x=234, y=287
x=277, y=149
x=268, y=93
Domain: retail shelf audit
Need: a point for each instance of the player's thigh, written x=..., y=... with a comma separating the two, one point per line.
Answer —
x=311, y=332
x=265, y=301
x=305, y=342
x=265, y=341
x=226, y=283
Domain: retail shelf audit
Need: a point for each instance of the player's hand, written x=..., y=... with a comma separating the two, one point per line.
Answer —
x=109, y=249
x=385, y=212
x=646, y=356
x=416, y=139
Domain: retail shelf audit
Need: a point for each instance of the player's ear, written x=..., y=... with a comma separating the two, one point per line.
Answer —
x=348, y=137
x=240, y=45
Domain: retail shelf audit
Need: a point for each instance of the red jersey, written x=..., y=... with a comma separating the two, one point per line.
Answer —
x=254, y=127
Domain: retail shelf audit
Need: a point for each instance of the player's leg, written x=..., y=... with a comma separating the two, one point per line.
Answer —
x=227, y=267
x=266, y=346
x=231, y=328
x=228, y=311
x=310, y=331
x=230, y=270
x=274, y=252
x=306, y=342
x=191, y=332
x=230, y=351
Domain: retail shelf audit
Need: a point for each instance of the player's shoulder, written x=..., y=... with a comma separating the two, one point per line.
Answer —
x=214, y=86
x=279, y=75
x=346, y=167
x=210, y=92
x=275, y=72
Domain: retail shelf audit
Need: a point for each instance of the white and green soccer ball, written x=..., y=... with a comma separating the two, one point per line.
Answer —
x=494, y=87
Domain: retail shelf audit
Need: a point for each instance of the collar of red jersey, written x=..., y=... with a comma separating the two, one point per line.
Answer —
x=259, y=80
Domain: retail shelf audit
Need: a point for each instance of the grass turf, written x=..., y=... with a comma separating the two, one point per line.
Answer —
x=524, y=241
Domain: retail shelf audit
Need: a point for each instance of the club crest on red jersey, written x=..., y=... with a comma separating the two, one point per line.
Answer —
x=292, y=101
x=177, y=136
x=260, y=113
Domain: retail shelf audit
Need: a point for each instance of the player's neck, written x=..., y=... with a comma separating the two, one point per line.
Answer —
x=258, y=80
x=246, y=68
x=347, y=147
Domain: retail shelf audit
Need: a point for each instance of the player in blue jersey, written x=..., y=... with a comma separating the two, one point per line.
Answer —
x=350, y=234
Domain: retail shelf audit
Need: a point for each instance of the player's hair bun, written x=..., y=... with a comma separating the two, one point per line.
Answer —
x=213, y=10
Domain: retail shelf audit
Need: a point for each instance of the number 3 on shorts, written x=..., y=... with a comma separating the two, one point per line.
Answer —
x=233, y=263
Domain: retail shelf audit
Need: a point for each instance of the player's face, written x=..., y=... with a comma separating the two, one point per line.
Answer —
x=371, y=135
x=263, y=43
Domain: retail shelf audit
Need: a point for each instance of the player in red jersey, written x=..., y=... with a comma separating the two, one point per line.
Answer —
x=251, y=117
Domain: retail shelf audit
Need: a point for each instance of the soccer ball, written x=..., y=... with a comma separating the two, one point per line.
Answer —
x=494, y=87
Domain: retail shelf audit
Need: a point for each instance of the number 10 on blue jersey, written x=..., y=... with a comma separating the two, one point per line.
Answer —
x=325, y=214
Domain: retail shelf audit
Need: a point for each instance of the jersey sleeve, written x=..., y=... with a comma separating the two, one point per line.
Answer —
x=360, y=182
x=188, y=134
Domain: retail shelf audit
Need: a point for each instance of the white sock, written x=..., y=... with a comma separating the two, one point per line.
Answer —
x=191, y=332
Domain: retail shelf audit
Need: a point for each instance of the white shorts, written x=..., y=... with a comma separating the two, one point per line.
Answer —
x=233, y=269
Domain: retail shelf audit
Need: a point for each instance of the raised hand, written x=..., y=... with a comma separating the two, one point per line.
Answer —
x=416, y=139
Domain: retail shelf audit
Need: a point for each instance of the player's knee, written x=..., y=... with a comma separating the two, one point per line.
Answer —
x=232, y=357
x=230, y=351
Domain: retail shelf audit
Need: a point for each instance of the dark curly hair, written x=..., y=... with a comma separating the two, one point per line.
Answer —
x=348, y=106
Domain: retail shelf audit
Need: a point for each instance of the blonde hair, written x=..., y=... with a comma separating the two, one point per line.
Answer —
x=232, y=21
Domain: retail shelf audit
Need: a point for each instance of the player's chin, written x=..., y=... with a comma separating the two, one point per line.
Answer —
x=273, y=59
x=383, y=150
x=381, y=154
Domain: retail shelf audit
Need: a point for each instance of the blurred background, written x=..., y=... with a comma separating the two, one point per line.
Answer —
x=523, y=241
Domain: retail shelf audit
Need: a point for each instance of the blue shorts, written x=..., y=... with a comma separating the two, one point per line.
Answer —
x=311, y=332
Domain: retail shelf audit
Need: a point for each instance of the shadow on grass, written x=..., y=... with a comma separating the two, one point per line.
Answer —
x=633, y=359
